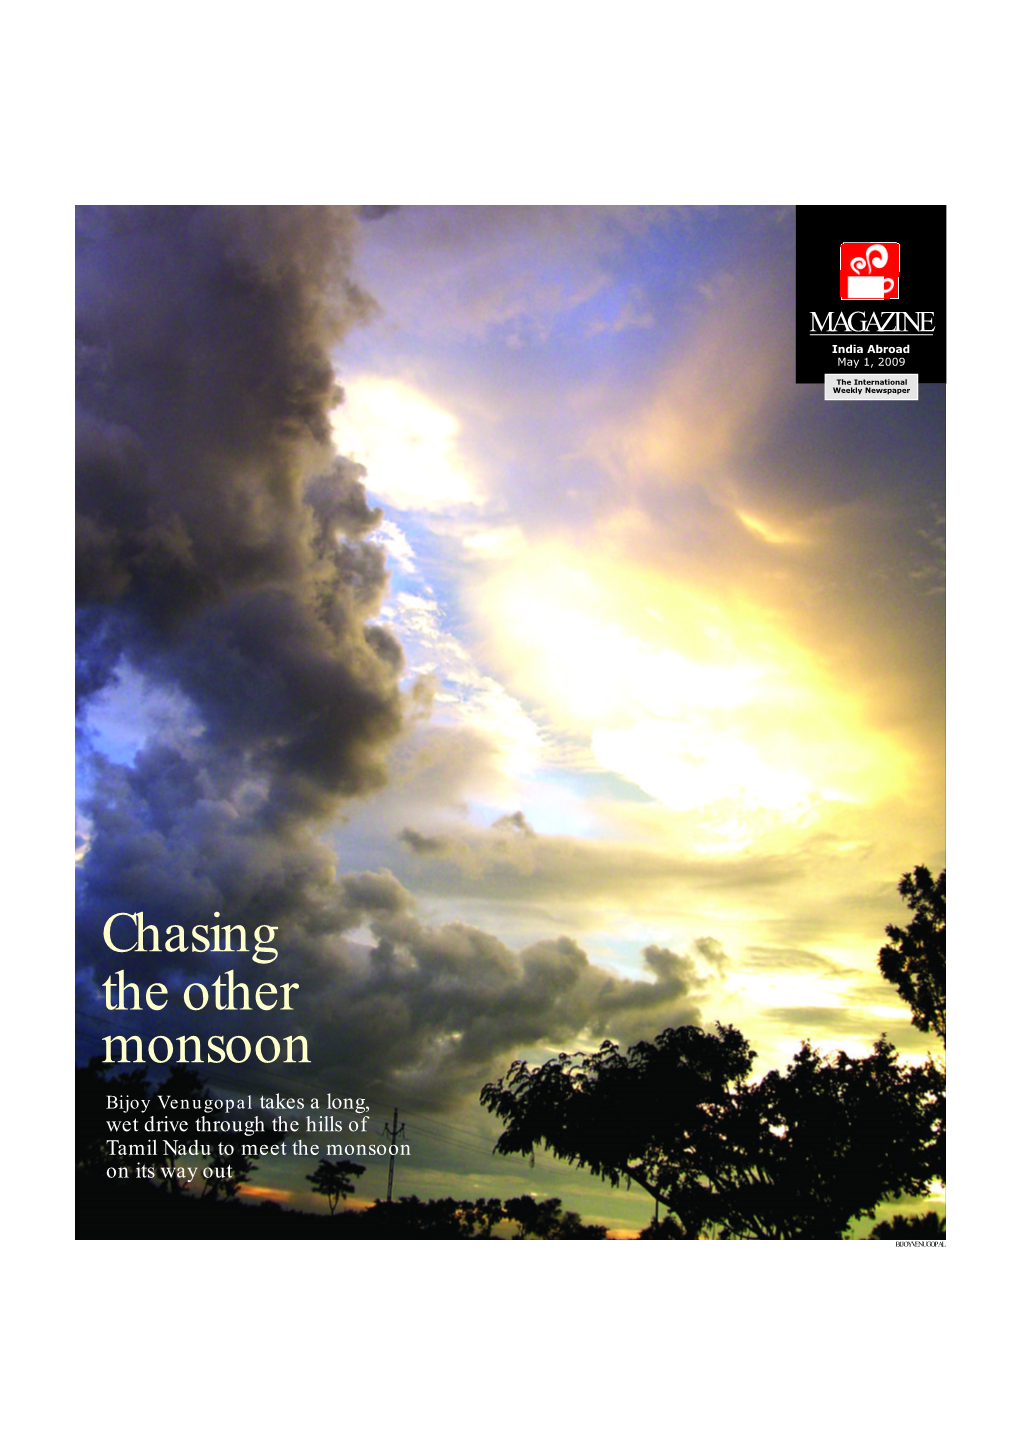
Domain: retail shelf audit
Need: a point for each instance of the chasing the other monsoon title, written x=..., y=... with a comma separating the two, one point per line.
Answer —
x=127, y=931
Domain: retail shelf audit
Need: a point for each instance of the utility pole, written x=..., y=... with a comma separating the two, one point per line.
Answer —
x=392, y=1134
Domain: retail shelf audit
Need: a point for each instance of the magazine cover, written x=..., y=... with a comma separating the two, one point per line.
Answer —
x=510, y=731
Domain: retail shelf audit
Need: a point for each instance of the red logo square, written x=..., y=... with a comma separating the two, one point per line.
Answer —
x=869, y=270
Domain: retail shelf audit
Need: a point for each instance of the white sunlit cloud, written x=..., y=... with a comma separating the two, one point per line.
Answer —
x=715, y=710
x=407, y=443
x=398, y=548
x=686, y=766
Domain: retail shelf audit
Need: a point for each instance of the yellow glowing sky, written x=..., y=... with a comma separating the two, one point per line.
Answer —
x=670, y=605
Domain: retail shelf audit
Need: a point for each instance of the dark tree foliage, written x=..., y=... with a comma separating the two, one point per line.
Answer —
x=641, y=1117
x=916, y=961
x=800, y=1154
x=481, y=1216
x=546, y=1221
x=333, y=1180
x=438, y=1218
x=665, y=1231
x=446, y=1217
x=930, y=1226
x=845, y=1133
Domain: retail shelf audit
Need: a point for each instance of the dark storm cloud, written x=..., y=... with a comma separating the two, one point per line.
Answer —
x=427, y=1013
x=220, y=542
x=222, y=556
x=445, y=1007
x=223, y=559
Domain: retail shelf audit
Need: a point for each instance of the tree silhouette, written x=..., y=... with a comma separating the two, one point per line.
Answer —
x=919, y=1228
x=481, y=1216
x=333, y=1180
x=842, y=1133
x=439, y=1218
x=800, y=1154
x=448, y=1218
x=665, y=1231
x=546, y=1221
x=916, y=962
x=640, y=1117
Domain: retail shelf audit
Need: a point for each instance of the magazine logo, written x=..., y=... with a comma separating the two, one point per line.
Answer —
x=869, y=270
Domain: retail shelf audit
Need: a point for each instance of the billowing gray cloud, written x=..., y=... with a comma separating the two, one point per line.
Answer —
x=221, y=542
x=428, y=1011
x=222, y=556
x=445, y=1007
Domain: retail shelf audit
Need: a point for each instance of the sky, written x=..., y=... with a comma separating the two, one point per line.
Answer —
x=472, y=595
